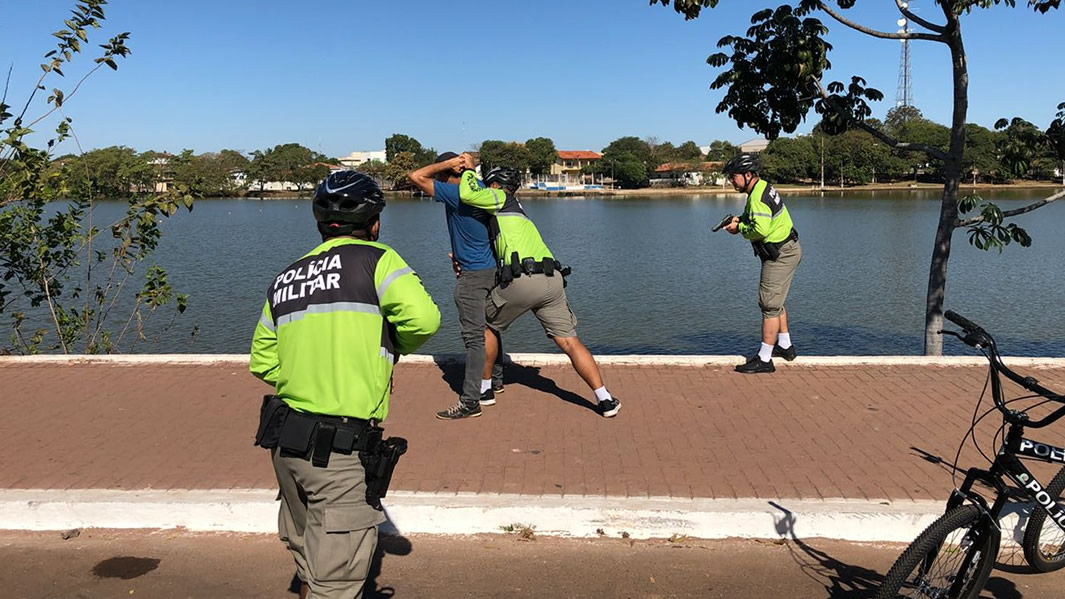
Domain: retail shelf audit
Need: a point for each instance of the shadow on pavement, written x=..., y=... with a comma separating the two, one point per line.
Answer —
x=934, y=459
x=513, y=373
x=841, y=580
x=845, y=581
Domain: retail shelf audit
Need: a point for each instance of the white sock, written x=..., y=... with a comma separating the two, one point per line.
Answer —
x=765, y=354
x=784, y=340
x=486, y=384
x=601, y=394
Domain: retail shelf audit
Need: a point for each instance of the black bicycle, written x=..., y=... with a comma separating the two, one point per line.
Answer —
x=953, y=557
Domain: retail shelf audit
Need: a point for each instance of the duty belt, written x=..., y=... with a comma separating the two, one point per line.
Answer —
x=793, y=236
x=770, y=250
x=313, y=436
x=531, y=266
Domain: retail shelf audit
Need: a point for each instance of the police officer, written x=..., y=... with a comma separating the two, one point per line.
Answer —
x=333, y=325
x=531, y=278
x=767, y=225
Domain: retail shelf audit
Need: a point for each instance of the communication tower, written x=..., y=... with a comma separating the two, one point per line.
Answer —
x=904, y=95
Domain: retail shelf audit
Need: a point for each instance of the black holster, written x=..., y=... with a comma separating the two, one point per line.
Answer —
x=765, y=251
x=379, y=464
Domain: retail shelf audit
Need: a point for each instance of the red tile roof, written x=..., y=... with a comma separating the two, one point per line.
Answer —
x=578, y=155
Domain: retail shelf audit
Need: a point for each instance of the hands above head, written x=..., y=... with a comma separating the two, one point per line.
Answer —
x=455, y=165
x=468, y=161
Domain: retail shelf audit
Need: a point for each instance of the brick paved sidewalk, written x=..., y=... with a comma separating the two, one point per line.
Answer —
x=854, y=432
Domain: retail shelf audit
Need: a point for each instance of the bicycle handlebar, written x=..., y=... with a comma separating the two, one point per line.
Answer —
x=977, y=337
x=969, y=326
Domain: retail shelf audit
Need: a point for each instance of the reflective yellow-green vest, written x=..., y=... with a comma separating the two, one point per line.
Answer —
x=765, y=217
x=516, y=233
x=333, y=323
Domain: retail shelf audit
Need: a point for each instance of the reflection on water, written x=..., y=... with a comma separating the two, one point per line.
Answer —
x=650, y=278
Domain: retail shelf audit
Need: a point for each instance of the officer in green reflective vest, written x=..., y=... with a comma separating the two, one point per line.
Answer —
x=767, y=225
x=334, y=323
x=530, y=279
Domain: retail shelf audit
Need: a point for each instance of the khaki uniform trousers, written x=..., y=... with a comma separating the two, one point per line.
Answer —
x=326, y=523
x=775, y=281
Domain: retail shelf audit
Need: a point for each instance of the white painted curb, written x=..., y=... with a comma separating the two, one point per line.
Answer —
x=550, y=360
x=255, y=511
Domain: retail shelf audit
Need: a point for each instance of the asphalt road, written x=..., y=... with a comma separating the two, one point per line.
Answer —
x=179, y=564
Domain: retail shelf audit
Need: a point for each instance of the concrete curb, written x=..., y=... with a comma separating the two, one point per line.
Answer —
x=533, y=359
x=255, y=511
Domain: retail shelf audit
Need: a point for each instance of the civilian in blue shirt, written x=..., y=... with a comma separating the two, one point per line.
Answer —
x=475, y=269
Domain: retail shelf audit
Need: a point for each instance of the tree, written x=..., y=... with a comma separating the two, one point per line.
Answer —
x=688, y=151
x=112, y=172
x=398, y=143
x=396, y=170
x=495, y=153
x=775, y=78
x=542, y=154
x=68, y=284
x=1018, y=147
x=790, y=159
x=374, y=168
x=898, y=116
x=721, y=151
x=630, y=157
x=1056, y=139
x=629, y=171
x=290, y=163
x=979, y=152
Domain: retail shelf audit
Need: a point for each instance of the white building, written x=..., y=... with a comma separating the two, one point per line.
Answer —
x=754, y=145
x=359, y=157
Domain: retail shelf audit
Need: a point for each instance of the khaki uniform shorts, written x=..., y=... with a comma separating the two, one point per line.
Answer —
x=776, y=279
x=326, y=523
x=540, y=293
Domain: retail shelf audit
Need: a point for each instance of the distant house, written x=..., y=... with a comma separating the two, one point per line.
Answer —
x=283, y=185
x=359, y=157
x=161, y=164
x=684, y=174
x=567, y=169
x=754, y=145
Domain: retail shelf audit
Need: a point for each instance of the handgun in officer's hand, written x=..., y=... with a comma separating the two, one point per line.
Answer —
x=724, y=223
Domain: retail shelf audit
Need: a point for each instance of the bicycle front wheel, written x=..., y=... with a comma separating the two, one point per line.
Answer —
x=951, y=559
x=1044, y=541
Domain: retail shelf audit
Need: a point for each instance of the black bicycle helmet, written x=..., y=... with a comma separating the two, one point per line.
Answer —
x=348, y=197
x=507, y=178
x=742, y=163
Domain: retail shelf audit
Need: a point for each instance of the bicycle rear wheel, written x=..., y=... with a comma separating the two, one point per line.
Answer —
x=955, y=553
x=1044, y=541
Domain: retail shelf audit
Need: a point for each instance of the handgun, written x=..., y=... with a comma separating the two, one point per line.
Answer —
x=724, y=223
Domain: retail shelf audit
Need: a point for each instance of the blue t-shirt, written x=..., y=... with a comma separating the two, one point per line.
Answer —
x=468, y=228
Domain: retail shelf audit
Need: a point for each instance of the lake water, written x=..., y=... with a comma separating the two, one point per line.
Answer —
x=650, y=278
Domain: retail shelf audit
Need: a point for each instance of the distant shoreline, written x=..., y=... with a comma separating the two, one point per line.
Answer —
x=715, y=191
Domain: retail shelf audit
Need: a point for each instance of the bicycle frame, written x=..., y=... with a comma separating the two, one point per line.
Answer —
x=1008, y=464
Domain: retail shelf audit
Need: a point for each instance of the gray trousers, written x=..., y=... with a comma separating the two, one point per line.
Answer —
x=326, y=523
x=471, y=294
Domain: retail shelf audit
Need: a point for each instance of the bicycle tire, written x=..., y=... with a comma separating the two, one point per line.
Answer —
x=922, y=558
x=1035, y=542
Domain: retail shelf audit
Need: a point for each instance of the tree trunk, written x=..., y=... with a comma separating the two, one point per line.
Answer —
x=948, y=211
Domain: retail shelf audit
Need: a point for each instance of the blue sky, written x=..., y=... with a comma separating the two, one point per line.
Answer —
x=341, y=75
